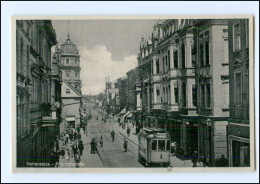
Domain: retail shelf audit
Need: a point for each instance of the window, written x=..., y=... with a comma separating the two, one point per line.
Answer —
x=176, y=59
x=247, y=32
x=166, y=63
x=157, y=66
x=208, y=96
x=184, y=94
x=193, y=55
x=68, y=61
x=169, y=93
x=202, y=96
x=157, y=92
x=76, y=74
x=154, y=145
x=194, y=95
x=183, y=56
x=67, y=91
x=168, y=145
x=207, y=53
x=201, y=55
x=238, y=88
x=163, y=65
x=67, y=74
x=237, y=38
x=161, y=145
x=169, y=65
x=176, y=93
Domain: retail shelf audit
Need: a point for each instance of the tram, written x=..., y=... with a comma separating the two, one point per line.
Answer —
x=154, y=146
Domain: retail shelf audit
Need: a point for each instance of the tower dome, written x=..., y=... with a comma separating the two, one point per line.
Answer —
x=69, y=48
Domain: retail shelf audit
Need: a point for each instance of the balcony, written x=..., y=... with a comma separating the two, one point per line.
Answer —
x=188, y=72
x=175, y=73
x=156, y=78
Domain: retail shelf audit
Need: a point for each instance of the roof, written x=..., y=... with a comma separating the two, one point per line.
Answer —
x=78, y=92
x=69, y=48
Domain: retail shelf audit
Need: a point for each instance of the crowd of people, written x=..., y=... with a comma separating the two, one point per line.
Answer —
x=71, y=145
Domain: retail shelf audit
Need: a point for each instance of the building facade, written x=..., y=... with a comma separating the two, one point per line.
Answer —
x=132, y=75
x=71, y=85
x=37, y=118
x=238, y=129
x=212, y=80
x=183, y=84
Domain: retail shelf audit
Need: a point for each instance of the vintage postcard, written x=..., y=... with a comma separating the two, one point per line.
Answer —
x=133, y=93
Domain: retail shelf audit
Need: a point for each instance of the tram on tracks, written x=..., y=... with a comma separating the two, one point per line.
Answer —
x=154, y=146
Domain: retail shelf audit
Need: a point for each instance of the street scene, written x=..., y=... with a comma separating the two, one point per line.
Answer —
x=166, y=93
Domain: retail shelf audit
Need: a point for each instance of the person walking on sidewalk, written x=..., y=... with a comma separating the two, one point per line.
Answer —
x=128, y=131
x=113, y=135
x=81, y=146
x=92, y=144
x=125, y=144
x=194, y=158
x=77, y=158
x=101, y=141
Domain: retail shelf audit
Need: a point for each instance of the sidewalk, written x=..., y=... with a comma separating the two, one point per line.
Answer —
x=87, y=159
x=175, y=162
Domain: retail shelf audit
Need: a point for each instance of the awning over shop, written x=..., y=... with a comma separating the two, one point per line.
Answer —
x=122, y=112
x=70, y=119
x=127, y=115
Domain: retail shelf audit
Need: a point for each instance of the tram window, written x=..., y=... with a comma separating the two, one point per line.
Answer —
x=154, y=144
x=161, y=145
x=168, y=145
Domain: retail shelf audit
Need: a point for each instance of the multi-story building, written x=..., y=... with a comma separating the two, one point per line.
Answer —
x=212, y=81
x=122, y=86
x=184, y=77
x=35, y=122
x=71, y=84
x=238, y=129
x=112, y=97
x=132, y=75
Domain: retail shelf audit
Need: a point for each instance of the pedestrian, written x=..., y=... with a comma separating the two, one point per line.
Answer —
x=74, y=147
x=101, y=141
x=75, y=135
x=77, y=158
x=84, y=128
x=79, y=136
x=128, y=131
x=67, y=138
x=71, y=136
x=78, y=129
x=173, y=146
x=67, y=152
x=81, y=146
x=97, y=117
x=125, y=144
x=194, y=158
x=92, y=144
x=113, y=135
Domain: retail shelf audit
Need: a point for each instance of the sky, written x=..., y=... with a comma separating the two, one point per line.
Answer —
x=106, y=47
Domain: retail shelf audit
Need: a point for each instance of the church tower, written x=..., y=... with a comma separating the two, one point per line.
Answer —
x=70, y=64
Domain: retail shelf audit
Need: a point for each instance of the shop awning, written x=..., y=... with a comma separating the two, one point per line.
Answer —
x=129, y=115
x=70, y=119
x=122, y=112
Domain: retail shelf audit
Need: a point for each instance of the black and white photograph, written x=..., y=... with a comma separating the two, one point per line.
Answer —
x=129, y=92
x=133, y=93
